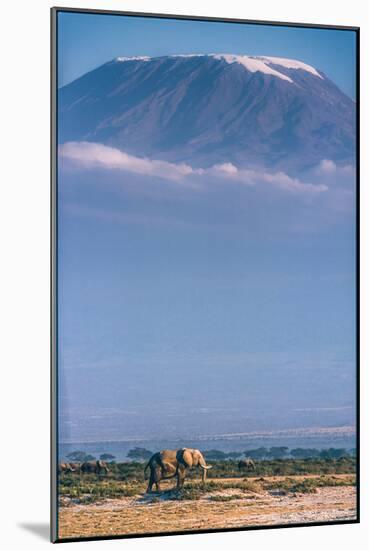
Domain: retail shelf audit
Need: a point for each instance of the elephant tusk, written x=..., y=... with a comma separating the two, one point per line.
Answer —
x=205, y=467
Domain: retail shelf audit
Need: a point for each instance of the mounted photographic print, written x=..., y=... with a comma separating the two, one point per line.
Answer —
x=204, y=274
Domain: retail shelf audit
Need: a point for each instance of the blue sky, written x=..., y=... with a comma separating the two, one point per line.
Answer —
x=89, y=40
x=187, y=310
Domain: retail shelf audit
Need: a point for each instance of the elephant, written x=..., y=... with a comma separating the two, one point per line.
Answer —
x=174, y=463
x=94, y=467
x=65, y=467
x=246, y=463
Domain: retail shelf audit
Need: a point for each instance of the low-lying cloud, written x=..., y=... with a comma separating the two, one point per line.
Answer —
x=95, y=155
x=329, y=167
x=277, y=179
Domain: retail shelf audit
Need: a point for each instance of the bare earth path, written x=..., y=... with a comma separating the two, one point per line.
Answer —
x=153, y=514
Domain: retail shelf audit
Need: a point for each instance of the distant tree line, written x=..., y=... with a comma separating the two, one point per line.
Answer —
x=140, y=454
x=273, y=453
x=278, y=453
x=81, y=456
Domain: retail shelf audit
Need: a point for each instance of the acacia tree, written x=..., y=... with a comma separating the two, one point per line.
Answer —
x=80, y=456
x=257, y=454
x=139, y=453
x=333, y=453
x=107, y=457
x=234, y=454
x=214, y=454
x=278, y=452
x=304, y=453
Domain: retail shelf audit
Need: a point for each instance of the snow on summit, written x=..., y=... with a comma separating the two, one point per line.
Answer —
x=134, y=58
x=291, y=64
x=251, y=63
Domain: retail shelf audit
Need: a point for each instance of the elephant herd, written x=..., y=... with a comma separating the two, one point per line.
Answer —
x=91, y=467
x=165, y=464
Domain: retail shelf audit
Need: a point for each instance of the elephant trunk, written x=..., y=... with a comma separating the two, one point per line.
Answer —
x=204, y=468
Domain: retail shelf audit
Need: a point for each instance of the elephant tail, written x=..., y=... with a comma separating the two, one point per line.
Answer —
x=145, y=470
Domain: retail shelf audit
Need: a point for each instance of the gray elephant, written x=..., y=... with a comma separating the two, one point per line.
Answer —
x=246, y=463
x=94, y=467
x=174, y=463
x=65, y=467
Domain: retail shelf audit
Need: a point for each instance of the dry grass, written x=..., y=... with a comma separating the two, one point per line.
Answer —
x=220, y=508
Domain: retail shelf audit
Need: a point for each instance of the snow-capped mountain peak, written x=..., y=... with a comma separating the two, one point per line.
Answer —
x=206, y=109
x=251, y=63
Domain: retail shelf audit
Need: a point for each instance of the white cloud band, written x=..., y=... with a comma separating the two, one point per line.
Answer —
x=95, y=155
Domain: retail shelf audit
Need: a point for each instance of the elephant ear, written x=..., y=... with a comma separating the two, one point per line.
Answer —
x=187, y=457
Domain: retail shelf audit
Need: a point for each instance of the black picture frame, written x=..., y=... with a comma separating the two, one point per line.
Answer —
x=54, y=264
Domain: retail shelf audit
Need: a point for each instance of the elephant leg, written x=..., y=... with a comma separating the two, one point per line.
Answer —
x=152, y=480
x=181, y=474
x=157, y=477
x=180, y=481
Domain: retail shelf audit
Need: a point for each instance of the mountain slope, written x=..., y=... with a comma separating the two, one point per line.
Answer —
x=206, y=109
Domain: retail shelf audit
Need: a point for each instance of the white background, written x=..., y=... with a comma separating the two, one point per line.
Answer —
x=24, y=271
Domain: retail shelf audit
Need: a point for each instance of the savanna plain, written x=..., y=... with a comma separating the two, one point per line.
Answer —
x=274, y=492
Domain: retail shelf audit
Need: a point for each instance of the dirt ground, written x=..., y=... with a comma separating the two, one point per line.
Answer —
x=225, y=508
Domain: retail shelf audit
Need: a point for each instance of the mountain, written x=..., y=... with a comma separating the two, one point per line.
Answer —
x=208, y=109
